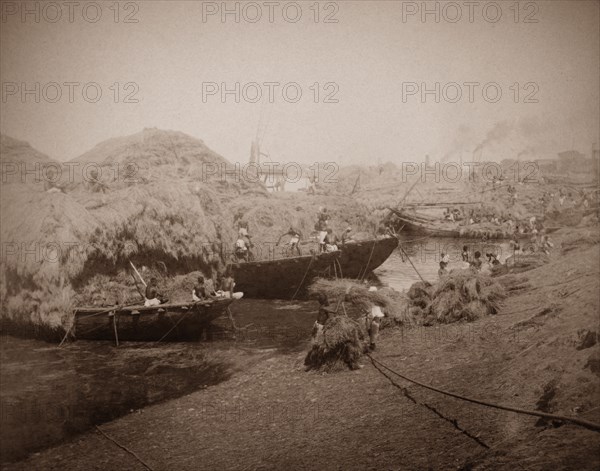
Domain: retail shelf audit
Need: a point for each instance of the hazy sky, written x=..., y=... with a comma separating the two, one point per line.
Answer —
x=370, y=55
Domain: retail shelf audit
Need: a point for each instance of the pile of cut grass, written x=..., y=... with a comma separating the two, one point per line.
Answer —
x=170, y=212
x=462, y=295
x=340, y=345
x=342, y=341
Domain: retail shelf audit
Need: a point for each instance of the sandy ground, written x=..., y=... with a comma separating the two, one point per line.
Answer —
x=274, y=415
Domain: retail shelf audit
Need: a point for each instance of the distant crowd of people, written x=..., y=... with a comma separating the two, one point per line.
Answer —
x=538, y=243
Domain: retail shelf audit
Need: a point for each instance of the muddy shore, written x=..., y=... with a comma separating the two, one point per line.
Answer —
x=271, y=414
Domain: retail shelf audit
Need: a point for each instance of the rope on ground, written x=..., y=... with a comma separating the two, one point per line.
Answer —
x=303, y=278
x=131, y=452
x=584, y=423
x=454, y=422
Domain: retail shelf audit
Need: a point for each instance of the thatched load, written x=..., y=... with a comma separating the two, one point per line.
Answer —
x=343, y=339
x=357, y=295
x=159, y=207
x=341, y=344
x=462, y=295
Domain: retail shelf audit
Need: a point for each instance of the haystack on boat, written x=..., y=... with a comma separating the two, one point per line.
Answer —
x=289, y=277
x=184, y=321
x=422, y=225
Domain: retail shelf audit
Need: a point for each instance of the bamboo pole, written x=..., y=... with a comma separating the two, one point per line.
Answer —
x=115, y=328
x=415, y=268
x=138, y=273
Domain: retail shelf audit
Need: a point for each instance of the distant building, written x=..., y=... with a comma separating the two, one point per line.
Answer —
x=547, y=165
x=574, y=161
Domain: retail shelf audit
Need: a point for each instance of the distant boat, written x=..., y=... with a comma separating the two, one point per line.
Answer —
x=184, y=321
x=415, y=224
x=288, y=278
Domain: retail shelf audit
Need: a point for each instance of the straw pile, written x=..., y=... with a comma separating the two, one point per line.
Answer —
x=170, y=213
x=394, y=305
x=579, y=239
x=342, y=342
x=461, y=295
x=340, y=345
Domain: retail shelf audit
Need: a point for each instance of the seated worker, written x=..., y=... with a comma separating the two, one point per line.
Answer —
x=442, y=271
x=294, y=241
x=330, y=241
x=227, y=285
x=199, y=291
x=347, y=235
x=241, y=249
x=476, y=263
x=209, y=286
x=152, y=296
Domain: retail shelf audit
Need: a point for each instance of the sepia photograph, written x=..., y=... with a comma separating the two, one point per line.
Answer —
x=300, y=235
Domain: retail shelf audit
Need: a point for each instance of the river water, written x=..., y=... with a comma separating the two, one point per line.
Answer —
x=425, y=253
x=50, y=394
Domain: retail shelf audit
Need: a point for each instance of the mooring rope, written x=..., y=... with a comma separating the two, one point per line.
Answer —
x=340, y=266
x=368, y=261
x=412, y=264
x=303, y=278
x=584, y=423
x=105, y=311
x=131, y=452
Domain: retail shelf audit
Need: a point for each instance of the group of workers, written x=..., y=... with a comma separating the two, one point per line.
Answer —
x=203, y=290
x=327, y=240
x=475, y=262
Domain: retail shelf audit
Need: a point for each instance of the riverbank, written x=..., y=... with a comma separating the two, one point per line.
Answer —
x=540, y=352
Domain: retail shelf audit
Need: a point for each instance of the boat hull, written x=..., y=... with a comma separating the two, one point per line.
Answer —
x=289, y=278
x=140, y=323
x=411, y=226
